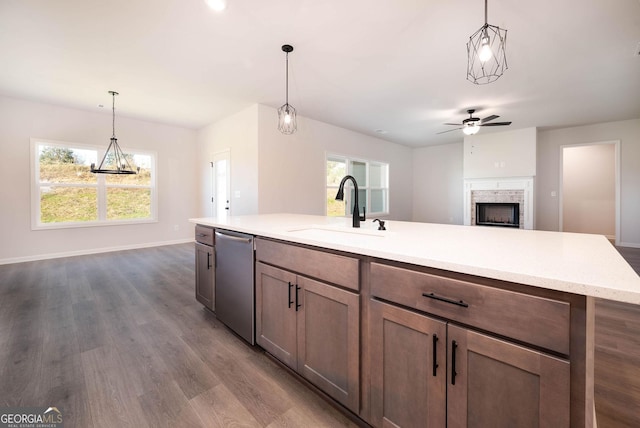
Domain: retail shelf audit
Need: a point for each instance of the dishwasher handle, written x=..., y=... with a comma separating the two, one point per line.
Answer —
x=223, y=235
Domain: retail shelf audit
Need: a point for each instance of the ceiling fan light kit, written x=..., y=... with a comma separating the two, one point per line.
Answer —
x=114, y=161
x=471, y=125
x=287, y=122
x=471, y=128
x=486, y=53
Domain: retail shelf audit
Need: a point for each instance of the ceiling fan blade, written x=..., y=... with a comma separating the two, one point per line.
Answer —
x=496, y=124
x=488, y=118
x=456, y=124
x=448, y=130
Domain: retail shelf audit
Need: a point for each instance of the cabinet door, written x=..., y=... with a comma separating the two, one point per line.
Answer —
x=493, y=383
x=205, y=275
x=276, y=313
x=408, y=368
x=329, y=341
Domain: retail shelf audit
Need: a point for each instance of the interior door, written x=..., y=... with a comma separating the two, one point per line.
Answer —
x=221, y=184
x=589, y=196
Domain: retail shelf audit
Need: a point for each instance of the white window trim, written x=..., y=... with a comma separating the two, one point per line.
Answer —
x=101, y=186
x=368, y=162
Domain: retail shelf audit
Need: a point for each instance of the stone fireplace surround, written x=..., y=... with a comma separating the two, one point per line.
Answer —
x=518, y=190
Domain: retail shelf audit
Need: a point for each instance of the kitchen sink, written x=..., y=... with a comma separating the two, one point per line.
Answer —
x=341, y=229
x=339, y=232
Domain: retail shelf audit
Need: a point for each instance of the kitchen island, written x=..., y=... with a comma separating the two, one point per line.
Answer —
x=435, y=323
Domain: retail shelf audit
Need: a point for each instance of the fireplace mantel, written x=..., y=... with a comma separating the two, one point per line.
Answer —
x=515, y=189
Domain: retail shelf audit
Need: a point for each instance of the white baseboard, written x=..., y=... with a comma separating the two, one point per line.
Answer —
x=629, y=244
x=90, y=251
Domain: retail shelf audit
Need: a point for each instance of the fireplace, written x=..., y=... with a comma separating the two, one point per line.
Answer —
x=498, y=214
x=505, y=191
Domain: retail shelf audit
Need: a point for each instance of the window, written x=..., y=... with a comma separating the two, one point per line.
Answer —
x=65, y=193
x=373, y=185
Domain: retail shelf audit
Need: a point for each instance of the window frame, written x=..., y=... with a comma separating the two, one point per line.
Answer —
x=348, y=162
x=101, y=187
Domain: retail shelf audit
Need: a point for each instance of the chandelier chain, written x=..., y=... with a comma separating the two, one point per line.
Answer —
x=113, y=111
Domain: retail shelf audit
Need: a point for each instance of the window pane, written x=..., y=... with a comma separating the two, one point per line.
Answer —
x=65, y=165
x=142, y=178
x=128, y=203
x=66, y=204
x=379, y=201
x=334, y=208
x=336, y=169
x=359, y=172
x=362, y=200
x=378, y=175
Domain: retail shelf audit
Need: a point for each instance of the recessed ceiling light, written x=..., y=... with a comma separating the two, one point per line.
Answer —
x=217, y=5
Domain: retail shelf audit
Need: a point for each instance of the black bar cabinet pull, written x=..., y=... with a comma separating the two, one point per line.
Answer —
x=454, y=346
x=297, y=305
x=208, y=260
x=290, y=301
x=446, y=300
x=435, y=358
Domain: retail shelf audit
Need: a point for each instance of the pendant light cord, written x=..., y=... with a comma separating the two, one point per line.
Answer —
x=287, y=80
x=486, y=19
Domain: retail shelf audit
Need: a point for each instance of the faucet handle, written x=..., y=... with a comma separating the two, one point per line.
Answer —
x=381, y=224
x=363, y=217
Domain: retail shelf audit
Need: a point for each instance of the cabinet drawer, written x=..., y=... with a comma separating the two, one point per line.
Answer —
x=536, y=320
x=333, y=268
x=204, y=235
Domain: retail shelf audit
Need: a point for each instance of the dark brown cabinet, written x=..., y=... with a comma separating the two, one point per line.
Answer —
x=409, y=368
x=205, y=267
x=494, y=383
x=276, y=315
x=428, y=372
x=312, y=327
x=402, y=345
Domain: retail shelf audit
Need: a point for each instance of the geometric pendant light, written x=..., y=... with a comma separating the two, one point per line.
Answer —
x=113, y=161
x=287, y=123
x=486, y=53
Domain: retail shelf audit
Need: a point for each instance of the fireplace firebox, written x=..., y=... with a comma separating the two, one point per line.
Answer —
x=498, y=214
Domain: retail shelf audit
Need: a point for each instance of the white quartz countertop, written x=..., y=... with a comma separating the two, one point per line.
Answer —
x=572, y=262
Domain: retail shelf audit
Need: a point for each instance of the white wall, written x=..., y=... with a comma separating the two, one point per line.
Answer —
x=500, y=154
x=292, y=170
x=175, y=148
x=547, y=180
x=589, y=189
x=437, y=184
x=239, y=134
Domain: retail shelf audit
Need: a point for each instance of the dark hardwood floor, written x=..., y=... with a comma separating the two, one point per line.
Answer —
x=617, y=358
x=117, y=340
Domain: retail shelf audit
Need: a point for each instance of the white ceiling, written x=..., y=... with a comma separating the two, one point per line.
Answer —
x=395, y=65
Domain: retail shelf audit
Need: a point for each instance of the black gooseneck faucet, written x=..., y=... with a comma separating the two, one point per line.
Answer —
x=356, y=211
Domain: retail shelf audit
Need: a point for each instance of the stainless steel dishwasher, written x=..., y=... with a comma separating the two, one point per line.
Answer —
x=234, y=300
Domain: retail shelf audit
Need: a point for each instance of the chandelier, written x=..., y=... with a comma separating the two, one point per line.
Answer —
x=113, y=161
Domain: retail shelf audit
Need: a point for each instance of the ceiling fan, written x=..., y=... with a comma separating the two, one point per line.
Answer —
x=471, y=125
